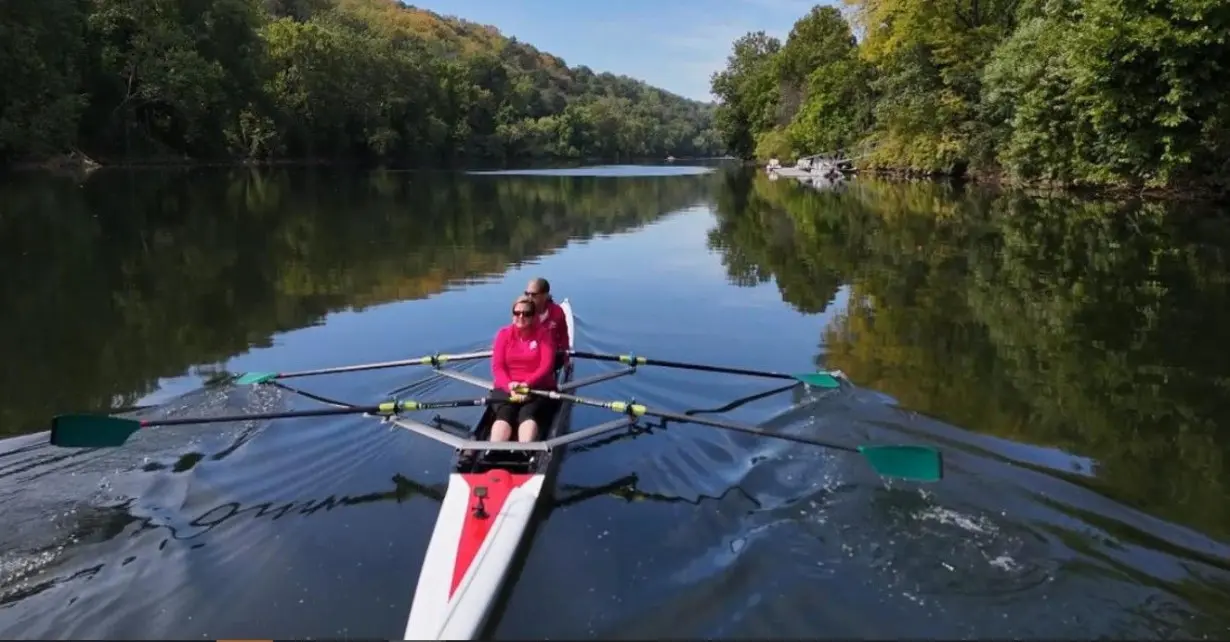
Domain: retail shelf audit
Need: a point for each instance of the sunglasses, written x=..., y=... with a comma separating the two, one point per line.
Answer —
x=528, y=293
x=523, y=313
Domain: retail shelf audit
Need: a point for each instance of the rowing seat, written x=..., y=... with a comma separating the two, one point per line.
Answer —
x=515, y=461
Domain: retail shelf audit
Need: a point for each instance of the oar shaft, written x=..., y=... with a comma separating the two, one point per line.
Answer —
x=387, y=407
x=638, y=410
x=739, y=402
x=634, y=360
x=750, y=430
x=429, y=360
x=917, y=463
x=743, y=428
x=258, y=416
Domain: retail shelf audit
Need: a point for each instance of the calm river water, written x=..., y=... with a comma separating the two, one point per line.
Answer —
x=1067, y=355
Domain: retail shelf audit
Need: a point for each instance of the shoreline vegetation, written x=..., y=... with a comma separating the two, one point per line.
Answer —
x=88, y=83
x=1095, y=95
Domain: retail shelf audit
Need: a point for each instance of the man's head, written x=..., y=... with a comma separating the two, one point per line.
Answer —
x=538, y=290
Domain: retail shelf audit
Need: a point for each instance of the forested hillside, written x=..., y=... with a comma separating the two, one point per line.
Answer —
x=1093, y=92
x=324, y=79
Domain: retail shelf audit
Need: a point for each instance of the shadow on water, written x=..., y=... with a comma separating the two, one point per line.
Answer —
x=1063, y=353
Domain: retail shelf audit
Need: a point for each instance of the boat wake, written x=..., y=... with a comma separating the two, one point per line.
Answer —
x=59, y=503
x=816, y=539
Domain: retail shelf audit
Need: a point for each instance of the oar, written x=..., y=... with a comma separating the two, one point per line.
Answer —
x=817, y=379
x=739, y=402
x=249, y=378
x=918, y=463
x=102, y=431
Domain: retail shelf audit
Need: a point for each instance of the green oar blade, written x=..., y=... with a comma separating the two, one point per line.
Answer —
x=918, y=463
x=818, y=379
x=91, y=431
x=252, y=378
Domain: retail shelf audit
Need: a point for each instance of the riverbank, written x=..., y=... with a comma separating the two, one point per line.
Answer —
x=1188, y=192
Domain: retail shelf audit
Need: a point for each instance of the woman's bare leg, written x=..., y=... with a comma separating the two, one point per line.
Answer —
x=527, y=431
x=501, y=430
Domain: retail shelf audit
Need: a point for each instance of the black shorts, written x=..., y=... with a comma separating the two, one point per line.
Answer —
x=539, y=409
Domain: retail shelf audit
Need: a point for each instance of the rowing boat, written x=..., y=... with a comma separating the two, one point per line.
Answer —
x=496, y=490
x=484, y=521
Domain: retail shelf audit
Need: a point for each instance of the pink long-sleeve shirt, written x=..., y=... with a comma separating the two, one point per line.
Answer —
x=527, y=356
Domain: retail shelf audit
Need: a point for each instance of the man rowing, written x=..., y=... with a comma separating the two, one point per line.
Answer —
x=550, y=315
x=523, y=353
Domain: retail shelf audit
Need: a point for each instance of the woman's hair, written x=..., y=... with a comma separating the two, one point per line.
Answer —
x=525, y=300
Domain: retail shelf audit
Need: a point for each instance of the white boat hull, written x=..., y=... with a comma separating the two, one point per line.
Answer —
x=468, y=559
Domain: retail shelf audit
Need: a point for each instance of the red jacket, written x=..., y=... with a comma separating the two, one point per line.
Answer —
x=527, y=357
x=556, y=323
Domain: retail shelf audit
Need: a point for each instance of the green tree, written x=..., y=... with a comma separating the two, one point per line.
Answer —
x=41, y=49
x=748, y=90
x=1109, y=93
x=1102, y=92
x=366, y=80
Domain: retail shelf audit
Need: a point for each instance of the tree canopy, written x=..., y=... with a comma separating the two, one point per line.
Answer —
x=1099, y=92
x=325, y=79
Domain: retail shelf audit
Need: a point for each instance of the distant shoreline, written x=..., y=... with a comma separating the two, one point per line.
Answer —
x=78, y=162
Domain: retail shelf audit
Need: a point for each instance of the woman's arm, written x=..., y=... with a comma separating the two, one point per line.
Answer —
x=499, y=369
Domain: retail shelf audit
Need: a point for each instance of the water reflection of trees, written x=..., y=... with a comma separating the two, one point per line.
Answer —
x=128, y=277
x=1096, y=327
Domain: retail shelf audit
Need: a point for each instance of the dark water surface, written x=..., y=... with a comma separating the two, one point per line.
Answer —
x=1067, y=355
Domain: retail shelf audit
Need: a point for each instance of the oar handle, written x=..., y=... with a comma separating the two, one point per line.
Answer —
x=617, y=406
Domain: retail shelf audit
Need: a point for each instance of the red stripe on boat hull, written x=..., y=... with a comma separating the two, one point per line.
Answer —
x=499, y=484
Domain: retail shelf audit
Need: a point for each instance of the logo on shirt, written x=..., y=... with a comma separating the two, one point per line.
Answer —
x=534, y=345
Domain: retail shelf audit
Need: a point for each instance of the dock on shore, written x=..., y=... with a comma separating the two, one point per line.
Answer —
x=832, y=165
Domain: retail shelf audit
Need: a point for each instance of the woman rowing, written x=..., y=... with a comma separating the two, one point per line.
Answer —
x=523, y=353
